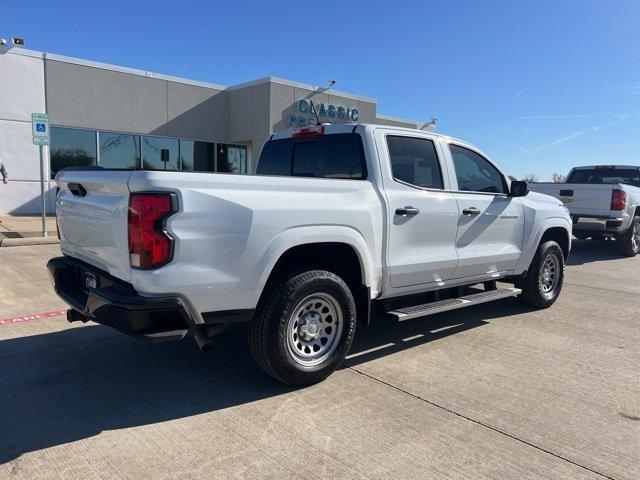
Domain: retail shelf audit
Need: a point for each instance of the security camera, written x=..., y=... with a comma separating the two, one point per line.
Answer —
x=17, y=41
x=3, y=42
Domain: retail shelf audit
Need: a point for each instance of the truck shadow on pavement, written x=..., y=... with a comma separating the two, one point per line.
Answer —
x=587, y=251
x=70, y=385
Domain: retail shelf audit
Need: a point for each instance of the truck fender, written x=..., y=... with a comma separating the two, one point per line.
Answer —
x=304, y=235
x=529, y=250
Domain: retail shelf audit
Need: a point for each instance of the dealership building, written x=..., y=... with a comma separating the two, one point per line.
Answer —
x=119, y=117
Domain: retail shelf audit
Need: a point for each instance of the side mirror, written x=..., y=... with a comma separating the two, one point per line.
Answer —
x=518, y=189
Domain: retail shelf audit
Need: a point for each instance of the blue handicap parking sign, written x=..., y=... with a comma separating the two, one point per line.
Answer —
x=41, y=127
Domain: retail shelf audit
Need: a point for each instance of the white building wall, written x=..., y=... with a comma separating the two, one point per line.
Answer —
x=21, y=94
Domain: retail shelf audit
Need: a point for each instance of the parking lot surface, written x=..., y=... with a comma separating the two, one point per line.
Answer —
x=495, y=391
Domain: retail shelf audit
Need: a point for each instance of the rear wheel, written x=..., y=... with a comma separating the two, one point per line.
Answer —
x=629, y=242
x=542, y=284
x=304, y=327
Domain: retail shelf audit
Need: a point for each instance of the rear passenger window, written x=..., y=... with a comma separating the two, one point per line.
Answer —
x=415, y=161
x=325, y=156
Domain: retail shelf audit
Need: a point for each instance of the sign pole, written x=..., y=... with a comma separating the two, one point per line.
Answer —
x=44, y=199
x=41, y=137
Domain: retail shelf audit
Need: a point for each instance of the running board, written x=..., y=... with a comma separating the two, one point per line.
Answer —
x=452, y=304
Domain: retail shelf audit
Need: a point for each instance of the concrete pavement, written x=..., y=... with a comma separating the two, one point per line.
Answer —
x=497, y=391
x=25, y=225
x=22, y=230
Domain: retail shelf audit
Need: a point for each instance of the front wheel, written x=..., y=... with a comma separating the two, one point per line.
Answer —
x=543, y=281
x=628, y=243
x=304, y=327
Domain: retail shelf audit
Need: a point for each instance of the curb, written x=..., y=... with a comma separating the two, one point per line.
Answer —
x=20, y=242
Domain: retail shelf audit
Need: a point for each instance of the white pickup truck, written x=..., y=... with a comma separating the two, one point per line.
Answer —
x=339, y=221
x=604, y=201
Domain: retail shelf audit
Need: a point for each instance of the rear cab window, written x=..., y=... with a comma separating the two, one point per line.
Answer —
x=603, y=175
x=338, y=156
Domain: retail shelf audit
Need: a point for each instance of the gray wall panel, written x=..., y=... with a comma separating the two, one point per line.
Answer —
x=261, y=122
x=241, y=114
x=197, y=112
x=90, y=97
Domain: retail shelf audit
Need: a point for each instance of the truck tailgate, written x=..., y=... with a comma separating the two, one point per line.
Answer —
x=580, y=198
x=91, y=209
x=586, y=199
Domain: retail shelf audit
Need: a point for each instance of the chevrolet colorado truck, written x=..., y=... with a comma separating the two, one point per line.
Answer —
x=604, y=202
x=338, y=222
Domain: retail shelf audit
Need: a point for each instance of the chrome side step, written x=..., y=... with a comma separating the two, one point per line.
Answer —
x=432, y=308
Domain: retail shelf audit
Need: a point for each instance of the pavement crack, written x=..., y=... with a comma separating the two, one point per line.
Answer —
x=482, y=424
x=599, y=288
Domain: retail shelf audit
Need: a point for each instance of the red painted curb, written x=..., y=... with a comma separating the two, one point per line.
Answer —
x=33, y=316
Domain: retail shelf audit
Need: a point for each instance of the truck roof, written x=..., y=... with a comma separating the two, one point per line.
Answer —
x=350, y=127
x=607, y=167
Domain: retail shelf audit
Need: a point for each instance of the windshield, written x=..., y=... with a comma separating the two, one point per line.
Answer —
x=603, y=176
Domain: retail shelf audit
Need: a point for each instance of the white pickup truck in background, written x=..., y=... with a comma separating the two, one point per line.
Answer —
x=339, y=221
x=604, y=201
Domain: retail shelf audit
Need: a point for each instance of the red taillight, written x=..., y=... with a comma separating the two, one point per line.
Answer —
x=309, y=131
x=149, y=245
x=618, y=199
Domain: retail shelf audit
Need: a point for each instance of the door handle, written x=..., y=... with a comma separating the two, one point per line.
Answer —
x=471, y=212
x=77, y=189
x=407, y=211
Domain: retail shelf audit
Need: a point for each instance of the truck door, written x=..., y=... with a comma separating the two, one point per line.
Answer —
x=423, y=217
x=491, y=224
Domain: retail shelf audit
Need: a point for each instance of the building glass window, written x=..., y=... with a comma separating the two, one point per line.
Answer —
x=160, y=153
x=119, y=150
x=232, y=158
x=71, y=147
x=197, y=156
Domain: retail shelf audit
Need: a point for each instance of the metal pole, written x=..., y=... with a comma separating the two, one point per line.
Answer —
x=44, y=201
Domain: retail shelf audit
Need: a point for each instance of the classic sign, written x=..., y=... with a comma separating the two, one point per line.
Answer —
x=329, y=113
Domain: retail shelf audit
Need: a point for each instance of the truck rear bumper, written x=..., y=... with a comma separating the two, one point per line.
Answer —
x=116, y=304
x=598, y=224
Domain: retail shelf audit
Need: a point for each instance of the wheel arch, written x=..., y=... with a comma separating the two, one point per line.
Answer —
x=555, y=228
x=344, y=253
x=559, y=235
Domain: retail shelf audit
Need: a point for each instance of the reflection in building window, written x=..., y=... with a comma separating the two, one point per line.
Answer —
x=232, y=158
x=71, y=147
x=119, y=150
x=197, y=156
x=160, y=153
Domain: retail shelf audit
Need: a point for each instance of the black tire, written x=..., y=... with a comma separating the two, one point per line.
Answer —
x=628, y=243
x=533, y=290
x=272, y=338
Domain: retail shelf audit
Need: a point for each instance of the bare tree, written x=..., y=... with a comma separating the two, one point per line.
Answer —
x=530, y=177
x=557, y=177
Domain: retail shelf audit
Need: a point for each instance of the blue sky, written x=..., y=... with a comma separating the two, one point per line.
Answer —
x=539, y=86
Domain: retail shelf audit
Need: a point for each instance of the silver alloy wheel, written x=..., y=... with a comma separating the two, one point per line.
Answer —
x=635, y=236
x=549, y=275
x=314, y=329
